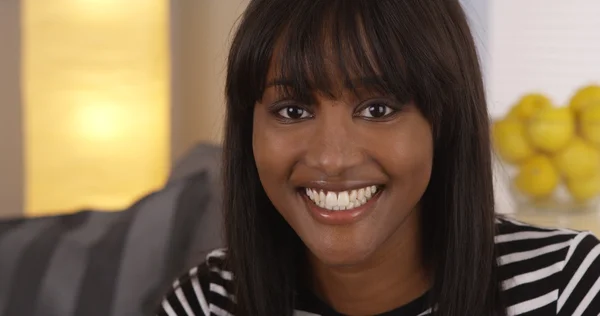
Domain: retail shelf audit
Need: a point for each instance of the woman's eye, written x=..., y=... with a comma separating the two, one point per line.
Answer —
x=293, y=113
x=376, y=111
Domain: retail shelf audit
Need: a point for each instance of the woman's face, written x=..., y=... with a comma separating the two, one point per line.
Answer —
x=347, y=172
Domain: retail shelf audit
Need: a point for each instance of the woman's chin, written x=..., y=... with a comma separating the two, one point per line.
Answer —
x=342, y=255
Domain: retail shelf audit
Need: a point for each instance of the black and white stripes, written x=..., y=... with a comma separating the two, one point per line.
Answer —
x=543, y=272
x=205, y=290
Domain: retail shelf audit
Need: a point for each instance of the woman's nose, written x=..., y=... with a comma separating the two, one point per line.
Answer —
x=334, y=146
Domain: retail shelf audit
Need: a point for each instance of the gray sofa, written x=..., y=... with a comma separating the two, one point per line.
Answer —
x=95, y=263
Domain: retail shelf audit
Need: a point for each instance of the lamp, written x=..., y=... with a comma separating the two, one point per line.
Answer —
x=96, y=102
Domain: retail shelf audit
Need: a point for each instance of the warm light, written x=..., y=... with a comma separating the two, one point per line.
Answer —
x=103, y=10
x=96, y=88
x=99, y=122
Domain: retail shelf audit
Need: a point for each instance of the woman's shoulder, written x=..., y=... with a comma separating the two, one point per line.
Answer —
x=554, y=266
x=517, y=241
x=515, y=234
x=203, y=289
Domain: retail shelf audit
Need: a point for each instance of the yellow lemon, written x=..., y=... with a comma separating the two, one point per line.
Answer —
x=509, y=140
x=585, y=97
x=528, y=105
x=584, y=189
x=589, y=123
x=537, y=177
x=550, y=129
x=578, y=160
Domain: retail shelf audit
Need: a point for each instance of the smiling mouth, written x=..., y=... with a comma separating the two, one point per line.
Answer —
x=343, y=200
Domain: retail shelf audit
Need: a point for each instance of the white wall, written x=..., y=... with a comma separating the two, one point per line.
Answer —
x=552, y=46
x=478, y=13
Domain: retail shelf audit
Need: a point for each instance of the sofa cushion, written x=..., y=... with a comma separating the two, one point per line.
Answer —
x=208, y=235
x=105, y=264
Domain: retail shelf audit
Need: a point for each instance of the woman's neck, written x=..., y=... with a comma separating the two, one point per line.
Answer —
x=392, y=277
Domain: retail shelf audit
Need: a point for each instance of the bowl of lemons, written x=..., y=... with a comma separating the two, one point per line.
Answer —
x=550, y=154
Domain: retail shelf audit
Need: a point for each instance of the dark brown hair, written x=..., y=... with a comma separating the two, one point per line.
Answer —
x=415, y=50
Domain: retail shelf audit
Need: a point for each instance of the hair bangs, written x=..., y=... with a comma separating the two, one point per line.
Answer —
x=332, y=47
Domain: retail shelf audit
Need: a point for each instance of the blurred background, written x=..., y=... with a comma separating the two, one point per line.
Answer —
x=99, y=98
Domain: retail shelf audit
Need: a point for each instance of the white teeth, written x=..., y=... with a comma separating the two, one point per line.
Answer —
x=315, y=196
x=353, y=196
x=340, y=201
x=343, y=199
x=361, y=194
x=330, y=200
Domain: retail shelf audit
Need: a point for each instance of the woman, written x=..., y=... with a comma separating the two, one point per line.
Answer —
x=358, y=176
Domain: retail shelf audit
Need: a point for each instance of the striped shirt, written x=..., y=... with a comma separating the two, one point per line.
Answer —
x=543, y=272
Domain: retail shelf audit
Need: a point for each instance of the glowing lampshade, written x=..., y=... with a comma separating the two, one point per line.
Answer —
x=96, y=94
